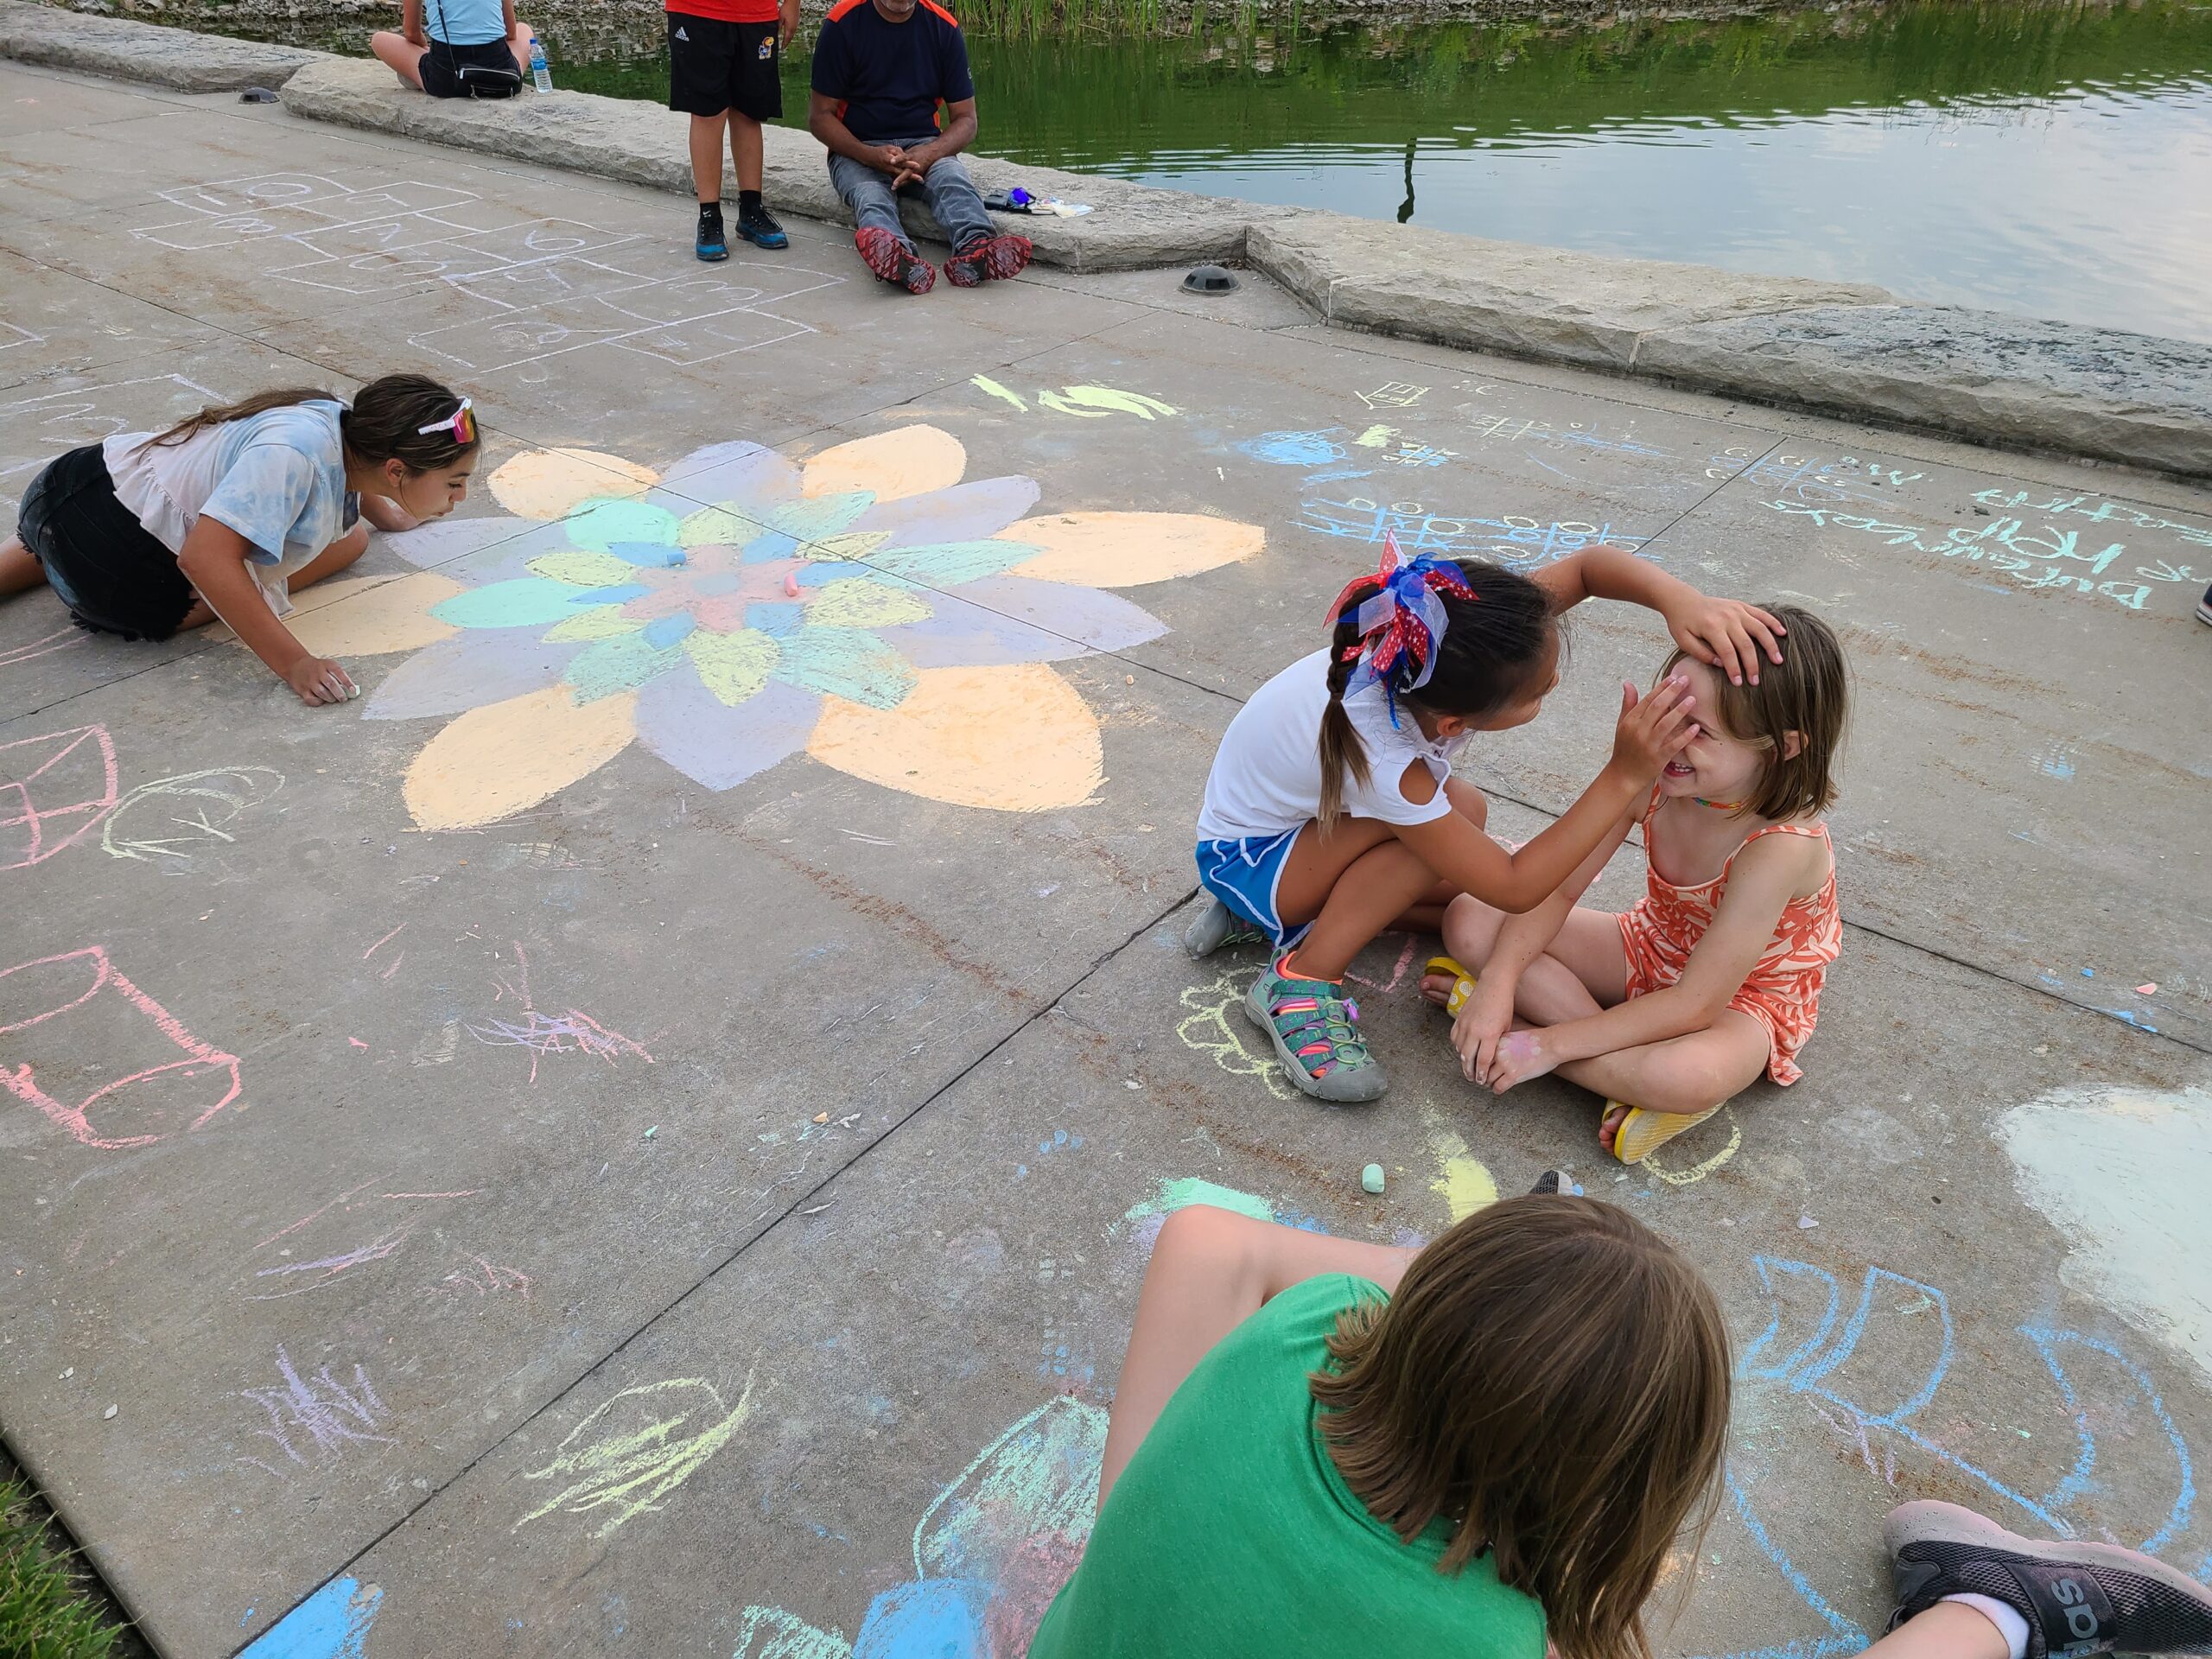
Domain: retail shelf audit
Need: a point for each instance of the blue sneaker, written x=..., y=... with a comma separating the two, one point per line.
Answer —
x=712, y=244
x=758, y=225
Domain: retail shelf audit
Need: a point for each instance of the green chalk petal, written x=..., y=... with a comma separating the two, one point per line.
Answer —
x=524, y=602
x=733, y=665
x=848, y=663
x=600, y=523
x=825, y=515
x=618, y=664
x=947, y=564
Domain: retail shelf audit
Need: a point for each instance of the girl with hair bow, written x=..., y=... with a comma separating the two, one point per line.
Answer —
x=1332, y=814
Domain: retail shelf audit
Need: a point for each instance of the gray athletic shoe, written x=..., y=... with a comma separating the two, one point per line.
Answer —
x=2076, y=1598
x=1215, y=927
x=1315, y=1030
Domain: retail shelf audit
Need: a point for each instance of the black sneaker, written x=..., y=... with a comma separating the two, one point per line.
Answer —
x=758, y=225
x=2077, y=1598
x=712, y=245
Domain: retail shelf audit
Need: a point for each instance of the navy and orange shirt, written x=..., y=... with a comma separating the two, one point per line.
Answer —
x=890, y=76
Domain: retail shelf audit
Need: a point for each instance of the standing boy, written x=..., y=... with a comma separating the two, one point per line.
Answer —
x=723, y=72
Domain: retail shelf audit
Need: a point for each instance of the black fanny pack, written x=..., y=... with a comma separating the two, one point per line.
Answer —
x=482, y=80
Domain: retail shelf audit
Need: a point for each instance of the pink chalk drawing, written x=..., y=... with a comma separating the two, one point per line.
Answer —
x=53, y=790
x=44, y=645
x=80, y=990
x=573, y=1032
x=484, y=1278
x=323, y=1246
x=319, y=1415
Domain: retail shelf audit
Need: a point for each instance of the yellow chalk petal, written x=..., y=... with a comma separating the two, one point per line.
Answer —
x=908, y=461
x=367, y=616
x=1019, y=739
x=858, y=603
x=548, y=483
x=1127, y=550
x=501, y=758
x=599, y=622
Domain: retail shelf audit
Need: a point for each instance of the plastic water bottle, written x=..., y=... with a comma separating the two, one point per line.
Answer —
x=540, y=74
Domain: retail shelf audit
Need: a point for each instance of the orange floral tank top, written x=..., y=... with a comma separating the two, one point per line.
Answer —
x=1783, y=991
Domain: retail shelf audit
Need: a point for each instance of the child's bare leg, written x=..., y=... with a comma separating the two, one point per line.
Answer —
x=1374, y=891
x=399, y=54
x=707, y=156
x=1949, y=1629
x=1684, y=1074
x=1584, y=973
x=19, y=571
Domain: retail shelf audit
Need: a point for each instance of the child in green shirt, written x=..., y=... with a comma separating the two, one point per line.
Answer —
x=1321, y=1447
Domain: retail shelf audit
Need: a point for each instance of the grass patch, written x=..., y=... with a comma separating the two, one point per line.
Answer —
x=47, y=1610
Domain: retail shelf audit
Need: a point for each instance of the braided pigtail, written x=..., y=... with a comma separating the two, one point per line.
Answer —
x=1342, y=752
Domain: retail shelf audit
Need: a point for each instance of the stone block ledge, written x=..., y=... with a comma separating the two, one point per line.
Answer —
x=128, y=50
x=1838, y=348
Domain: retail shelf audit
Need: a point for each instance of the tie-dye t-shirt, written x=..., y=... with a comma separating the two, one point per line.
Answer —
x=277, y=478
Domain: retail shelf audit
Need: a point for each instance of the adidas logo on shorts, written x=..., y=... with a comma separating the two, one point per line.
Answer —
x=680, y=36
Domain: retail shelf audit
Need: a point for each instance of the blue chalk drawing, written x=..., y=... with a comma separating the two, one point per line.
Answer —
x=931, y=1618
x=332, y=1624
x=1811, y=1369
x=1295, y=448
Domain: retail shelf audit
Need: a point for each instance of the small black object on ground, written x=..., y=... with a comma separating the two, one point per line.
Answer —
x=257, y=95
x=1209, y=279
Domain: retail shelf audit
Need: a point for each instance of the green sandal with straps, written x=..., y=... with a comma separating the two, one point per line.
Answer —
x=1315, y=1029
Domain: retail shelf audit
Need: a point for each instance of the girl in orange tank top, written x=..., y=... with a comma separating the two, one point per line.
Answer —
x=1714, y=978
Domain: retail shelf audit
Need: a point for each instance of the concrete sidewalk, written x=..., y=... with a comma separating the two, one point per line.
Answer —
x=669, y=1173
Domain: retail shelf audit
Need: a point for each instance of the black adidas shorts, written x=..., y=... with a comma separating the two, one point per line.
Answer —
x=715, y=65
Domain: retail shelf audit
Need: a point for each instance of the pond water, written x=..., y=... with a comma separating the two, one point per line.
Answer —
x=2052, y=159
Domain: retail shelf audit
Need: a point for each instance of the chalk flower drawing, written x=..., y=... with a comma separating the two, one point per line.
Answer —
x=865, y=606
x=637, y=1448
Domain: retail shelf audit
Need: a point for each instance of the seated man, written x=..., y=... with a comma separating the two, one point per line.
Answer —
x=881, y=69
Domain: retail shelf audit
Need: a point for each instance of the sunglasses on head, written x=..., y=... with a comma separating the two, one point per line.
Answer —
x=461, y=423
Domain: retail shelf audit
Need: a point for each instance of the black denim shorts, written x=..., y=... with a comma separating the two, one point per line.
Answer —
x=106, y=566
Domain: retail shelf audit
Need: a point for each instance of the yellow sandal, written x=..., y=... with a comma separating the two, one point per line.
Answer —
x=1641, y=1133
x=1463, y=983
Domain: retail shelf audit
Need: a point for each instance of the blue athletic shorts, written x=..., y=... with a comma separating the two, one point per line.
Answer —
x=1243, y=874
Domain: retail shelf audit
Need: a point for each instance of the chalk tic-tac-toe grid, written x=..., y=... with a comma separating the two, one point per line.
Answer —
x=545, y=287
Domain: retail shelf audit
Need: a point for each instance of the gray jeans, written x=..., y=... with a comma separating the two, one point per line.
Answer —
x=951, y=193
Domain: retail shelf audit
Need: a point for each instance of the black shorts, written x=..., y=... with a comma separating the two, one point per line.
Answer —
x=105, y=565
x=441, y=62
x=715, y=65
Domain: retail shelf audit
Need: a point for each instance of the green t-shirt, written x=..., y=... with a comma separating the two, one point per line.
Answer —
x=1231, y=1533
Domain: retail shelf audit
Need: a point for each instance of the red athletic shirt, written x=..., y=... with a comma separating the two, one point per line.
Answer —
x=728, y=11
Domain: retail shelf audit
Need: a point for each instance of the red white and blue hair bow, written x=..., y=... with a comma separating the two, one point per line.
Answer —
x=1402, y=626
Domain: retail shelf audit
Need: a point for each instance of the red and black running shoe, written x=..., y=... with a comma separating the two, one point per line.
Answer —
x=993, y=259
x=893, y=261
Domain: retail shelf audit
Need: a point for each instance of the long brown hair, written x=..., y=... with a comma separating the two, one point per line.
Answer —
x=384, y=422
x=1808, y=692
x=1494, y=645
x=1554, y=1380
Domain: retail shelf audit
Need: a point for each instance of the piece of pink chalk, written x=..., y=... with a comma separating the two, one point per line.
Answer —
x=356, y=1042
x=2151, y=989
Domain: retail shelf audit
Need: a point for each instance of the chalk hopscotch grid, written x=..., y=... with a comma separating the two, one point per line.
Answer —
x=547, y=299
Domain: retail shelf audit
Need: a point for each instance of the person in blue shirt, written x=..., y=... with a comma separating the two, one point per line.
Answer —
x=227, y=514
x=894, y=101
x=438, y=39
